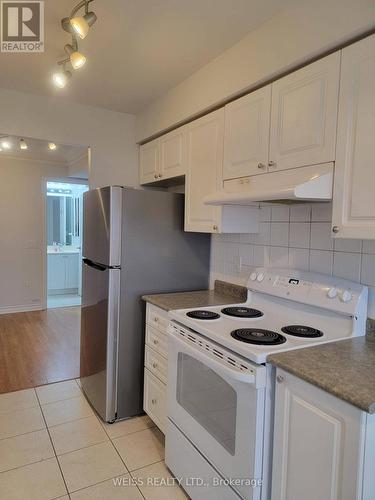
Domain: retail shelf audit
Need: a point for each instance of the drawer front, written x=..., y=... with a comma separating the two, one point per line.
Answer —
x=158, y=318
x=155, y=400
x=156, y=364
x=158, y=341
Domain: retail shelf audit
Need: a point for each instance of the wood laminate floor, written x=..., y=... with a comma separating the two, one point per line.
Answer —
x=39, y=347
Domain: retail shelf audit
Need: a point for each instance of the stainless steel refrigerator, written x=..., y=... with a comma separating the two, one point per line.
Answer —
x=133, y=244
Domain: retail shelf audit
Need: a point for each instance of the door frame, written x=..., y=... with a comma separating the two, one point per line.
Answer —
x=45, y=180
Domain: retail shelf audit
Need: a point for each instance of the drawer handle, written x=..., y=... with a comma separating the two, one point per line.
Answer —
x=156, y=342
x=154, y=365
x=153, y=401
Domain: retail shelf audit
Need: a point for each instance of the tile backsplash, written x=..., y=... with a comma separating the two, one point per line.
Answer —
x=294, y=236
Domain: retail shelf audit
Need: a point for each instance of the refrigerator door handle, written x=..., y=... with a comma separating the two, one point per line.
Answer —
x=112, y=343
x=95, y=265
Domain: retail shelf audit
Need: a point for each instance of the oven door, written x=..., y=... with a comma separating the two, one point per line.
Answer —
x=219, y=409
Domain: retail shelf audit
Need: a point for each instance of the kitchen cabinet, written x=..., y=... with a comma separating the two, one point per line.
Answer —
x=149, y=162
x=247, y=130
x=205, y=138
x=62, y=271
x=304, y=115
x=163, y=158
x=204, y=176
x=353, y=200
x=155, y=372
x=173, y=154
x=323, y=446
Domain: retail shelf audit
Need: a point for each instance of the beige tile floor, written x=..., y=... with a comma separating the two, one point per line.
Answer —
x=53, y=446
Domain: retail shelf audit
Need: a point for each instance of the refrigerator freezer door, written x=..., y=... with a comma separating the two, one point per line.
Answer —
x=99, y=337
x=102, y=211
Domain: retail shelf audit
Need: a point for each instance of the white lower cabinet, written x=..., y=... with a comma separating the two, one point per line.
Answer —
x=155, y=374
x=62, y=271
x=323, y=446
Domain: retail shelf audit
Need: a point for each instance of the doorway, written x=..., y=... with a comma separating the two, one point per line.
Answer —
x=64, y=224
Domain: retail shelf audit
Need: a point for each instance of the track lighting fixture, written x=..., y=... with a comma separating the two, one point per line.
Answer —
x=81, y=25
x=23, y=144
x=52, y=146
x=77, y=26
x=77, y=59
x=6, y=144
x=61, y=77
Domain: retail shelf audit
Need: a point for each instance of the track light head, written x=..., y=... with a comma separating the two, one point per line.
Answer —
x=6, y=144
x=61, y=78
x=52, y=146
x=81, y=24
x=76, y=58
x=23, y=144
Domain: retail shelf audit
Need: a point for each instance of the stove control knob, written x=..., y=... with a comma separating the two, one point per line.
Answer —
x=346, y=296
x=260, y=277
x=253, y=276
x=332, y=293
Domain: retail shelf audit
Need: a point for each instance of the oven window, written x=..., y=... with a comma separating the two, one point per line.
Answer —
x=209, y=399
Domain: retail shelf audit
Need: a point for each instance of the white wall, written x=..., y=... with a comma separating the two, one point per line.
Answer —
x=290, y=38
x=110, y=135
x=79, y=168
x=298, y=237
x=21, y=231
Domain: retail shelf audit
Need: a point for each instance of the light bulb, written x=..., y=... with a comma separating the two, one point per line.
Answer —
x=6, y=144
x=81, y=24
x=60, y=79
x=78, y=60
x=52, y=146
x=23, y=144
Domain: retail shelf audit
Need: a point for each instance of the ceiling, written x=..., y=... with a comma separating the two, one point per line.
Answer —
x=38, y=150
x=137, y=50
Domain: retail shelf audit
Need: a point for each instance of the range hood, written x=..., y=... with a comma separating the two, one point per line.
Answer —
x=312, y=183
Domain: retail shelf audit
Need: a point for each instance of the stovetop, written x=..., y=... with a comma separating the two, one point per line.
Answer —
x=286, y=309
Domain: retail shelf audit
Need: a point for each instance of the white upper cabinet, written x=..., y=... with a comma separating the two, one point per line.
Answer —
x=247, y=129
x=205, y=138
x=163, y=158
x=354, y=200
x=304, y=115
x=149, y=162
x=172, y=154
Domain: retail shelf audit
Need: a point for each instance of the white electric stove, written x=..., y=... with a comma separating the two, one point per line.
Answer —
x=220, y=387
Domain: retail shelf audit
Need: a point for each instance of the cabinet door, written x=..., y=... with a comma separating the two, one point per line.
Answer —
x=154, y=400
x=246, y=138
x=149, y=162
x=205, y=139
x=353, y=200
x=173, y=153
x=72, y=270
x=304, y=115
x=55, y=272
x=317, y=443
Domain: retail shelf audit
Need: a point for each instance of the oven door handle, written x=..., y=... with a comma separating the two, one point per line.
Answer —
x=217, y=366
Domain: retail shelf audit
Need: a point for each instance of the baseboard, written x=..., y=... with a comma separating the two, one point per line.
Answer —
x=22, y=308
x=63, y=291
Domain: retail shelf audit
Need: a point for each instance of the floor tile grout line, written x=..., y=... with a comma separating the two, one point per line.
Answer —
x=104, y=481
x=83, y=448
x=128, y=433
x=27, y=465
x=23, y=433
x=54, y=450
x=148, y=465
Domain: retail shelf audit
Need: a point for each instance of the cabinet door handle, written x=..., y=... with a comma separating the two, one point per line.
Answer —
x=155, y=176
x=154, y=365
x=215, y=228
x=156, y=342
x=156, y=319
x=280, y=379
x=272, y=163
x=261, y=165
x=160, y=176
x=335, y=229
x=153, y=401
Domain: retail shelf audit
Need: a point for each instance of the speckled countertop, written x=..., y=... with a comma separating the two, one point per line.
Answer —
x=223, y=293
x=345, y=369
